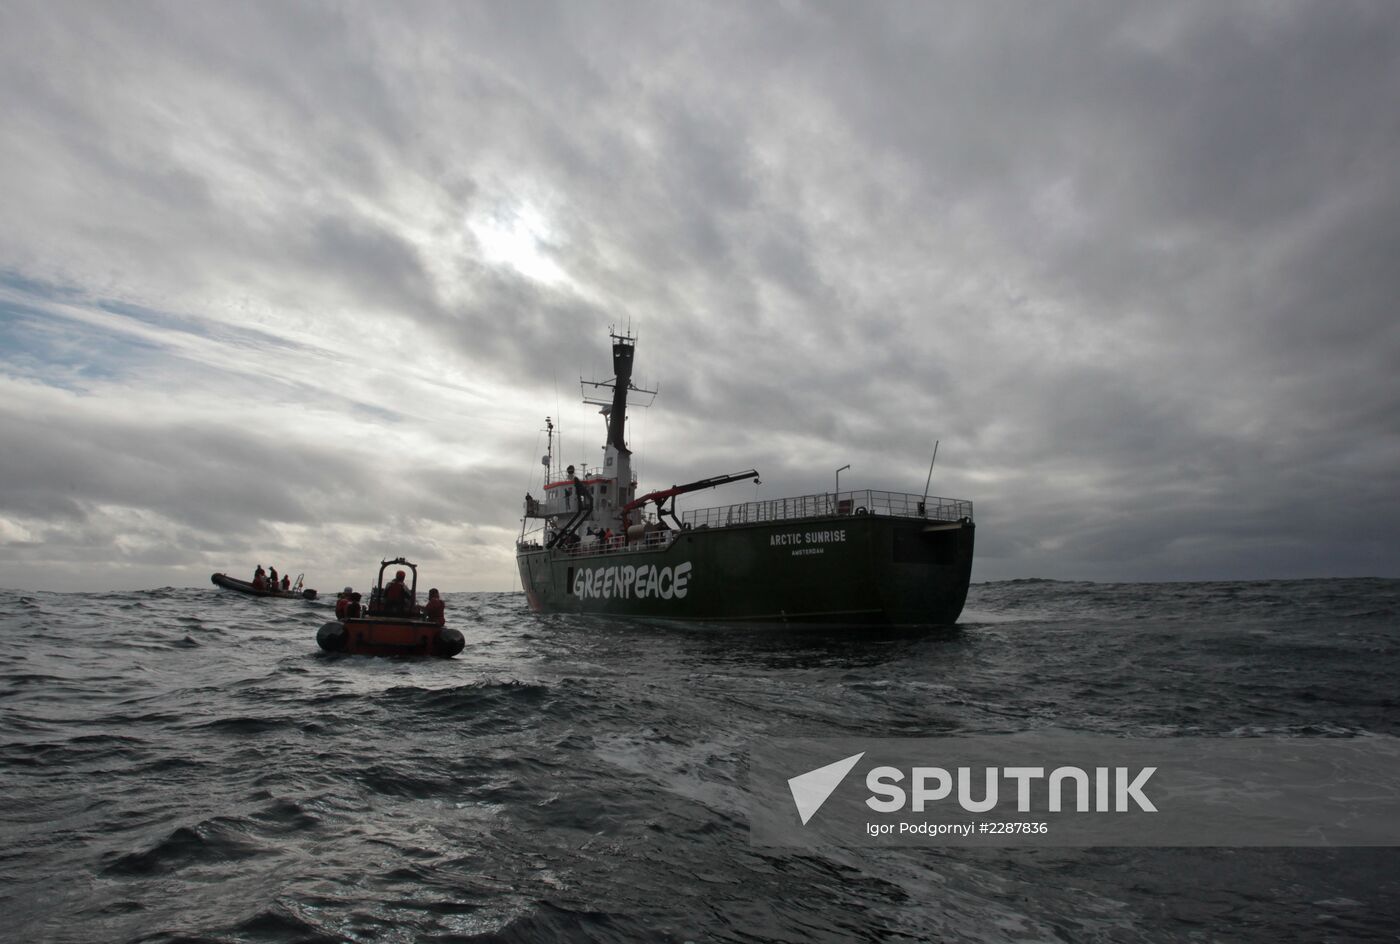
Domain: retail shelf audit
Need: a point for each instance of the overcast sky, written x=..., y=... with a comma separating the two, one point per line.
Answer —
x=296, y=283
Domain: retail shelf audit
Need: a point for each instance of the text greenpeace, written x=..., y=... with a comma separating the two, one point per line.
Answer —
x=1112, y=789
x=626, y=582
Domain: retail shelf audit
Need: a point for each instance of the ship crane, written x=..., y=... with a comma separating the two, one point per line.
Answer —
x=661, y=496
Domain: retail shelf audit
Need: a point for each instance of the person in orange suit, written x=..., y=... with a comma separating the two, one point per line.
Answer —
x=342, y=603
x=397, y=597
x=434, y=610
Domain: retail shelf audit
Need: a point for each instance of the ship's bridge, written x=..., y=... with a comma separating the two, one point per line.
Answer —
x=560, y=499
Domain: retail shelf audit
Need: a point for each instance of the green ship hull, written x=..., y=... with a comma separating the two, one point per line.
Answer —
x=857, y=558
x=848, y=569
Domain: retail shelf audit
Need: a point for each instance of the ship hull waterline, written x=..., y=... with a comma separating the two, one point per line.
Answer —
x=838, y=570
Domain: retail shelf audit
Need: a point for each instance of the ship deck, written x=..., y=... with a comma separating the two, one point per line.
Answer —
x=826, y=504
x=823, y=505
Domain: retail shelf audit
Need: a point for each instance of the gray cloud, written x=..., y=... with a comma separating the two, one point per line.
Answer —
x=1131, y=264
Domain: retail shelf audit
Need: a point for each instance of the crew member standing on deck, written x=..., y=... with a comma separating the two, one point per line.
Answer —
x=398, y=598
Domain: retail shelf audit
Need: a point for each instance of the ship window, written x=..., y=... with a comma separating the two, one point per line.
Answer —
x=605, y=489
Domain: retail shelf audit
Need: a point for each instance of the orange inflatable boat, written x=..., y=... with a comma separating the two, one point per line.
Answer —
x=393, y=623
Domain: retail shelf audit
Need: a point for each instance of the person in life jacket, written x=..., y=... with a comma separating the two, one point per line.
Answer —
x=259, y=579
x=353, y=609
x=272, y=577
x=342, y=603
x=397, y=598
x=286, y=583
x=433, y=610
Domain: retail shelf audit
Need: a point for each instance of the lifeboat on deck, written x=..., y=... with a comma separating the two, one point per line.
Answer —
x=391, y=627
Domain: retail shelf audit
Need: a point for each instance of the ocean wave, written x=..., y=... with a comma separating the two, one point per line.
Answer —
x=207, y=843
x=568, y=778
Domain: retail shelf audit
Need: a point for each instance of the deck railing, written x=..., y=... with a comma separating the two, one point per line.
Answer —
x=823, y=504
x=591, y=544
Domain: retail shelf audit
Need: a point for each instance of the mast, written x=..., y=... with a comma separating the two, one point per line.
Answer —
x=617, y=458
x=623, y=349
x=548, y=459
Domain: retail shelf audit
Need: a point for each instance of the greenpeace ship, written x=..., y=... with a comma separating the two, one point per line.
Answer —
x=857, y=558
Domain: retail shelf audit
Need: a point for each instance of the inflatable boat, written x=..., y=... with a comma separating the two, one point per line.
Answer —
x=243, y=586
x=393, y=624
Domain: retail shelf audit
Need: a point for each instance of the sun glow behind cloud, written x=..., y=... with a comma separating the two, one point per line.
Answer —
x=518, y=237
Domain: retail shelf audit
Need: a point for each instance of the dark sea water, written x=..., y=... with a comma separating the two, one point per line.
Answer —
x=185, y=765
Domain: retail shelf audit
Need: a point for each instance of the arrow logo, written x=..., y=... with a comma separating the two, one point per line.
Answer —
x=810, y=790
